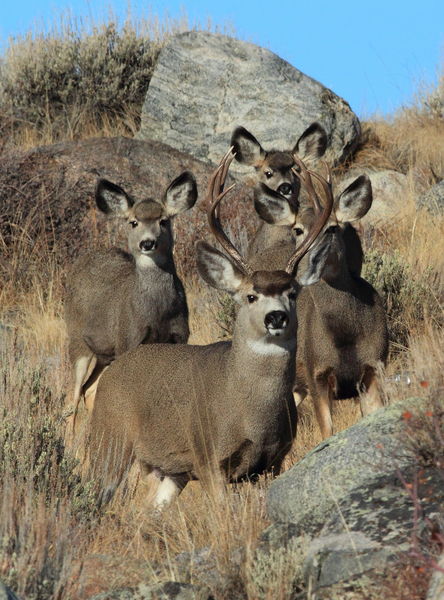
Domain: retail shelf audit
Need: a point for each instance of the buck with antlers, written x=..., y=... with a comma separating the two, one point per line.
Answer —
x=116, y=300
x=187, y=411
x=275, y=180
x=342, y=332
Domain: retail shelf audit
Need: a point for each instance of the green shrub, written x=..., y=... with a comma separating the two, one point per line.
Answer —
x=408, y=297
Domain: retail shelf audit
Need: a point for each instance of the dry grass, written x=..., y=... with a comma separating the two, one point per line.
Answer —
x=410, y=142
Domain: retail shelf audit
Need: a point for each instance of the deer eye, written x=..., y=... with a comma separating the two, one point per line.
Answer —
x=298, y=231
x=133, y=223
x=251, y=298
x=268, y=174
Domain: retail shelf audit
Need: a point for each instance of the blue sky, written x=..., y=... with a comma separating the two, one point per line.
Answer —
x=376, y=54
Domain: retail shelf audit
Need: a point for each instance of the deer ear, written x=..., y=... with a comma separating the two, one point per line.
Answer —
x=312, y=144
x=355, y=201
x=246, y=148
x=273, y=208
x=318, y=260
x=181, y=194
x=112, y=199
x=217, y=270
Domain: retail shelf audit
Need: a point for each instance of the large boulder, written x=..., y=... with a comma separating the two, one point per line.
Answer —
x=204, y=85
x=308, y=493
x=362, y=498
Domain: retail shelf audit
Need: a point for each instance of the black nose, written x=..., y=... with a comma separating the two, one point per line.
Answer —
x=277, y=319
x=147, y=245
x=284, y=189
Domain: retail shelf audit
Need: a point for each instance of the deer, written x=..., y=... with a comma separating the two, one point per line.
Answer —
x=116, y=299
x=225, y=409
x=342, y=330
x=274, y=179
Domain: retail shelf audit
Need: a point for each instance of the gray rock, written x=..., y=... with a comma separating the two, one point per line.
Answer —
x=201, y=566
x=204, y=85
x=342, y=557
x=373, y=525
x=351, y=497
x=433, y=199
x=169, y=590
x=173, y=590
x=310, y=491
x=390, y=190
x=6, y=593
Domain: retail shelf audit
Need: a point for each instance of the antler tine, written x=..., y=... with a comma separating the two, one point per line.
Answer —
x=304, y=176
x=215, y=194
x=328, y=170
x=321, y=219
x=226, y=162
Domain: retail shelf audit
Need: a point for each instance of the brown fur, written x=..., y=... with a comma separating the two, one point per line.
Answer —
x=271, y=283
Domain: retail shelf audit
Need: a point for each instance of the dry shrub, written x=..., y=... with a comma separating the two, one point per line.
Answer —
x=79, y=79
x=407, y=295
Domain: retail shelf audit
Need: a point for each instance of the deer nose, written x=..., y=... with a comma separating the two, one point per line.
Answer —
x=276, y=319
x=284, y=189
x=147, y=245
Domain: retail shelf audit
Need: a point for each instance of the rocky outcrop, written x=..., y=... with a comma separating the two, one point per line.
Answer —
x=47, y=194
x=359, y=500
x=204, y=85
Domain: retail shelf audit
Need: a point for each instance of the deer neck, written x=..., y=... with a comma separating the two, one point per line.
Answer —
x=262, y=363
x=150, y=269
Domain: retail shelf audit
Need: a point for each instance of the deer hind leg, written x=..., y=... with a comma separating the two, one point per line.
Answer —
x=370, y=396
x=110, y=464
x=323, y=397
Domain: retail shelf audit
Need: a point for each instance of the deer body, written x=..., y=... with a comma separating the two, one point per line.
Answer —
x=342, y=332
x=202, y=411
x=116, y=300
x=120, y=304
x=342, y=340
x=274, y=181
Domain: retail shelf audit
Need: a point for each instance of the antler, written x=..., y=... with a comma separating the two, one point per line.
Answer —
x=215, y=194
x=322, y=213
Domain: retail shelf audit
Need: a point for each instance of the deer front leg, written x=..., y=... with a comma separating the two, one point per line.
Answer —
x=83, y=366
x=370, y=396
x=323, y=395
